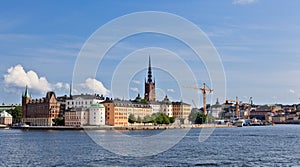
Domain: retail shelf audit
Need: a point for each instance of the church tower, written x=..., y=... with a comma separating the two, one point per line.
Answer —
x=25, y=100
x=149, y=85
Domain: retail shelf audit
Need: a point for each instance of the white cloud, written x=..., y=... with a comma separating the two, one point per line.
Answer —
x=134, y=89
x=93, y=85
x=292, y=91
x=243, y=2
x=171, y=90
x=18, y=77
x=60, y=85
x=136, y=81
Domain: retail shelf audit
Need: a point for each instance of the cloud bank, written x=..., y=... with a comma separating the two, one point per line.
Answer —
x=17, y=78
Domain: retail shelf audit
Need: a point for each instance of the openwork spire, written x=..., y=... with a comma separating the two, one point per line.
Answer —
x=149, y=71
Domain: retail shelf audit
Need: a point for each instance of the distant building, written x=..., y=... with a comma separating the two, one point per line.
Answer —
x=166, y=107
x=84, y=109
x=76, y=117
x=279, y=118
x=181, y=111
x=39, y=112
x=216, y=110
x=97, y=114
x=149, y=85
x=83, y=101
x=5, y=118
x=117, y=111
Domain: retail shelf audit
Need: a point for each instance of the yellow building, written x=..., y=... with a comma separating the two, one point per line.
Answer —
x=117, y=111
x=181, y=110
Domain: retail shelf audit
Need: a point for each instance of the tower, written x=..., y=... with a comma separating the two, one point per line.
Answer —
x=149, y=85
x=25, y=100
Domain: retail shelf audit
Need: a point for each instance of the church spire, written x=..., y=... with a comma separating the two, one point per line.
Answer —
x=26, y=94
x=149, y=71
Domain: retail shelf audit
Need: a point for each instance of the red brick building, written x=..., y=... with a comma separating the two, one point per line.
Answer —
x=39, y=112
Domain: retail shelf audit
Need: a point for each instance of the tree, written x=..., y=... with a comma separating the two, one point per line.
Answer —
x=172, y=120
x=16, y=113
x=139, y=119
x=59, y=121
x=147, y=119
x=200, y=119
x=131, y=118
x=193, y=116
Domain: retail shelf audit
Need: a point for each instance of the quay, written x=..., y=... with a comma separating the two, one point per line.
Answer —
x=146, y=127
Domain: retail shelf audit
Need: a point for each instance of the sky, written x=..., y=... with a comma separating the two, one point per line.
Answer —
x=257, y=41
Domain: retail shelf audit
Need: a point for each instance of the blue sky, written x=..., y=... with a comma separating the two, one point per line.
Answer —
x=258, y=41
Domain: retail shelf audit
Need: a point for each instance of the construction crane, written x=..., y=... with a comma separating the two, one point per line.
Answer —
x=237, y=114
x=249, y=107
x=204, y=89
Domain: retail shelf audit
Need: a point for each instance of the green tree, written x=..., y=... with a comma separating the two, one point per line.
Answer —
x=209, y=119
x=139, y=119
x=200, y=119
x=147, y=119
x=16, y=113
x=172, y=120
x=131, y=118
x=59, y=121
x=193, y=116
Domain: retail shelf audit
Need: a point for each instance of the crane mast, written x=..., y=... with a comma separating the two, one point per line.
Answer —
x=204, y=89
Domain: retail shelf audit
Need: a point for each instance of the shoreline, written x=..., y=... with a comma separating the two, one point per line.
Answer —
x=110, y=128
x=138, y=127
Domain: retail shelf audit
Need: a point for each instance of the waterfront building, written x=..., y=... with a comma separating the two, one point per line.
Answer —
x=39, y=112
x=166, y=107
x=149, y=85
x=181, y=110
x=156, y=106
x=5, y=118
x=83, y=100
x=216, y=110
x=96, y=114
x=281, y=118
x=76, y=117
x=117, y=111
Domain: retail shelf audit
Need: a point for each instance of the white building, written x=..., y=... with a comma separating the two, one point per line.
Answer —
x=166, y=107
x=156, y=106
x=216, y=110
x=5, y=118
x=83, y=101
x=97, y=114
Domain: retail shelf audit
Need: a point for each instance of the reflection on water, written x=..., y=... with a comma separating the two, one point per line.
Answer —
x=248, y=146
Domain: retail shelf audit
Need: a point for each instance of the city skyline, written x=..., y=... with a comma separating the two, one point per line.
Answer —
x=256, y=40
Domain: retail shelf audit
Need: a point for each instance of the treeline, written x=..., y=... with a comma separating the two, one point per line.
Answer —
x=155, y=118
x=200, y=118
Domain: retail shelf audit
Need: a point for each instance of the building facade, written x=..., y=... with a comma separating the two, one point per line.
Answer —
x=117, y=111
x=39, y=112
x=96, y=114
x=83, y=101
x=5, y=118
x=181, y=110
x=76, y=117
x=166, y=107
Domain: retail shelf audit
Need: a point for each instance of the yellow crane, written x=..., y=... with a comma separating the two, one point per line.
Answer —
x=204, y=89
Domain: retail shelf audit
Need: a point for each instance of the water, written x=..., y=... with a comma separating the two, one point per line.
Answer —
x=247, y=146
